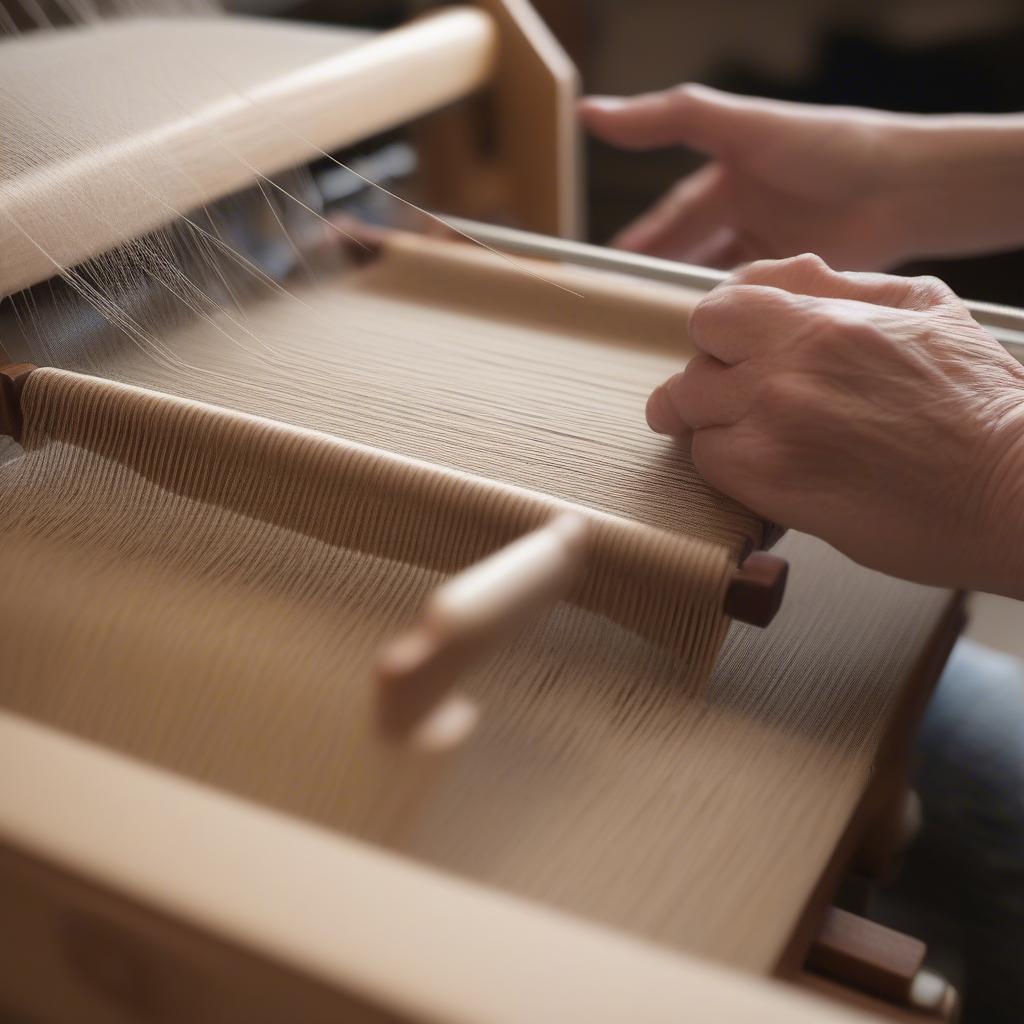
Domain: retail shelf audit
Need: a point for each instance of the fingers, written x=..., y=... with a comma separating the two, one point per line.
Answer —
x=690, y=214
x=782, y=303
x=735, y=322
x=713, y=452
x=690, y=115
x=662, y=416
x=706, y=394
x=811, y=275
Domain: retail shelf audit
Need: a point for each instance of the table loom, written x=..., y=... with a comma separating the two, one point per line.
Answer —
x=657, y=833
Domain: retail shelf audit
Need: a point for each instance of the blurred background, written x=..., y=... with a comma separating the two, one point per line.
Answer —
x=927, y=56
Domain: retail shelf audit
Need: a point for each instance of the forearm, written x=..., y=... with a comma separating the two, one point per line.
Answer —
x=997, y=548
x=958, y=183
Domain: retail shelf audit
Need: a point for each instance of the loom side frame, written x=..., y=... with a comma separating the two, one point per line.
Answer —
x=889, y=782
x=535, y=172
x=131, y=890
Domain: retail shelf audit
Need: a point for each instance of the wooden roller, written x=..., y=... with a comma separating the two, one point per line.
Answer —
x=484, y=607
x=278, y=95
x=477, y=611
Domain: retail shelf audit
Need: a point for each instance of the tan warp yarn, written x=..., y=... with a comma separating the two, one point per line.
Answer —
x=454, y=357
x=236, y=650
x=224, y=629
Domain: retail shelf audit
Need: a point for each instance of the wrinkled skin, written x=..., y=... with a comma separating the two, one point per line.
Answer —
x=869, y=410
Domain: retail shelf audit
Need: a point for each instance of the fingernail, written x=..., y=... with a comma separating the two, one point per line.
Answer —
x=662, y=417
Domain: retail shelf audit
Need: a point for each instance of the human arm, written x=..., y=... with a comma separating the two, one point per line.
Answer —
x=865, y=189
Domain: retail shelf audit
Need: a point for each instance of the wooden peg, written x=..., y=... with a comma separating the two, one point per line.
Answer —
x=757, y=587
x=472, y=615
x=12, y=380
x=868, y=956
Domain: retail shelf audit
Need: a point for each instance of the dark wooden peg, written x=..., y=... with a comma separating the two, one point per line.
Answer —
x=755, y=593
x=12, y=380
x=866, y=955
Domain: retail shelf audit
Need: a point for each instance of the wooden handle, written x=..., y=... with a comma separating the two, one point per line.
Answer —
x=472, y=615
x=12, y=380
x=757, y=588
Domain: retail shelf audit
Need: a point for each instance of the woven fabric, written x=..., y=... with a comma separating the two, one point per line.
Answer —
x=207, y=591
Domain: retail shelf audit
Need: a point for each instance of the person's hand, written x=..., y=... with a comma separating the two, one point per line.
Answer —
x=864, y=189
x=869, y=410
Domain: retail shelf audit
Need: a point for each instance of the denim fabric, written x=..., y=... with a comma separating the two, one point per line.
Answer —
x=962, y=886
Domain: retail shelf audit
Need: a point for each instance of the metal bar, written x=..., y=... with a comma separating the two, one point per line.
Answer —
x=1006, y=323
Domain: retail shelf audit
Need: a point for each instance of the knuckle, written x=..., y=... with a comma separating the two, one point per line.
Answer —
x=931, y=289
x=807, y=261
x=683, y=92
x=783, y=271
x=680, y=98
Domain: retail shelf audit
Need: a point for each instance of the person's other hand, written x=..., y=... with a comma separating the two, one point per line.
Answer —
x=869, y=410
x=864, y=189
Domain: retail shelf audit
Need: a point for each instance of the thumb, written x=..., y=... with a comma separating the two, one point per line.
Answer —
x=688, y=115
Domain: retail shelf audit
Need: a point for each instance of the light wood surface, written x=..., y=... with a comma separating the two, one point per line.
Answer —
x=227, y=912
x=179, y=112
x=538, y=141
x=514, y=154
x=233, y=642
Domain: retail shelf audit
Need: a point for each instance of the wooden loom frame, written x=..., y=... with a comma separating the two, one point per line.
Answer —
x=105, y=904
x=60, y=847
x=534, y=175
x=380, y=82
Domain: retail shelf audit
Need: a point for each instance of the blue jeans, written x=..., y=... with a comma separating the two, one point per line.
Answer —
x=962, y=886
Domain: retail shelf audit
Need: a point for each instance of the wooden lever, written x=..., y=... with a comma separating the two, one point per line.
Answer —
x=12, y=380
x=757, y=588
x=472, y=615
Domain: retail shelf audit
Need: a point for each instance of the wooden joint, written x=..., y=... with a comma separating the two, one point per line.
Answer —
x=756, y=590
x=12, y=380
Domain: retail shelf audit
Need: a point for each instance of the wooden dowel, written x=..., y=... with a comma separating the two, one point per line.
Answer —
x=757, y=588
x=473, y=615
x=12, y=380
x=321, y=91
